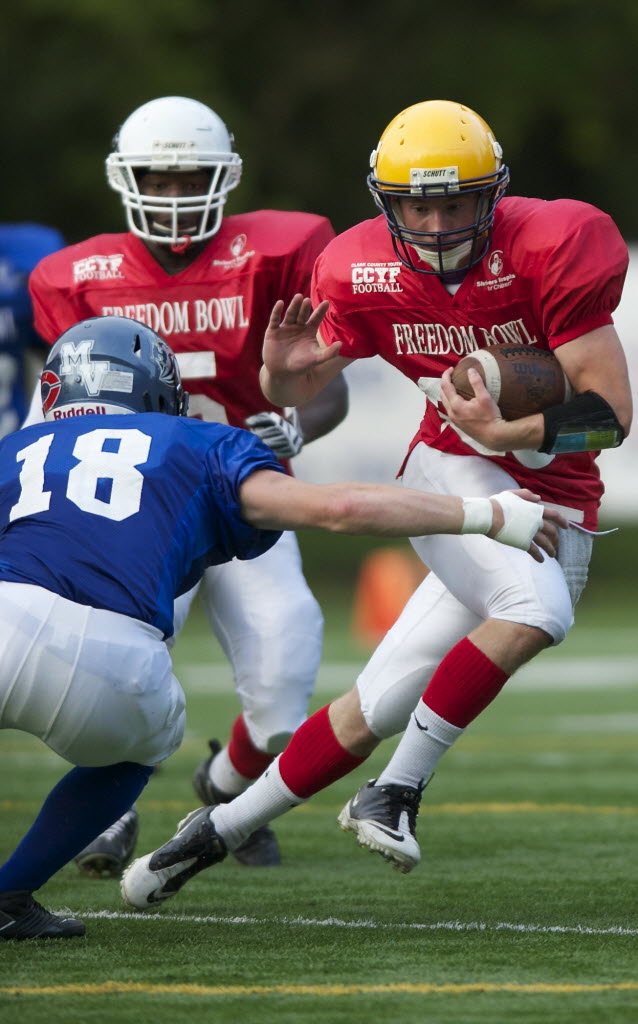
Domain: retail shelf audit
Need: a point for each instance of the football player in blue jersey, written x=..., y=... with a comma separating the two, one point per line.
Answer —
x=109, y=509
x=21, y=247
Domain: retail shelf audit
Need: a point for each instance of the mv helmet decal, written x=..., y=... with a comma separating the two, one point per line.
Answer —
x=95, y=375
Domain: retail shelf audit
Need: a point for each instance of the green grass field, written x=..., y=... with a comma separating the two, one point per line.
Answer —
x=523, y=909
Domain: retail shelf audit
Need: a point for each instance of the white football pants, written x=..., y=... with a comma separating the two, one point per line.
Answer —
x=270, y=628
x=97, y=687
x=472, y=578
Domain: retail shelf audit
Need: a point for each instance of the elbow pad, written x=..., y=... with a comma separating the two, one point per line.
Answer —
x=587, y=423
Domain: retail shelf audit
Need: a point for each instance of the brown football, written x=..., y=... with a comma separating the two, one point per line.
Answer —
x=522, y=380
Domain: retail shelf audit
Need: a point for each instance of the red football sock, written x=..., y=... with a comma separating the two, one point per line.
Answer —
x=464, y=684
x=314, y=758
x=244, y=755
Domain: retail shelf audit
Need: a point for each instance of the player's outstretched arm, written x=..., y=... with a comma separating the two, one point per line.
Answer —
x=297, y=364
x=270, y=500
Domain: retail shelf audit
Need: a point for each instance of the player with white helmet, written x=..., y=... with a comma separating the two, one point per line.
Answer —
x=452, y=266
x=207, y=283
x=174, y=134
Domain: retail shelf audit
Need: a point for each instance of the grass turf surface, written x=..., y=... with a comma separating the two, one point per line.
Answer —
x=523, y=907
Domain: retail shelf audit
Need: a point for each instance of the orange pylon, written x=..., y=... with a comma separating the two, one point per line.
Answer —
x=387, y=579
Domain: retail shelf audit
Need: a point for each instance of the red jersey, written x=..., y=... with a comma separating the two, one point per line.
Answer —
x=554, y=272
x=213, y=313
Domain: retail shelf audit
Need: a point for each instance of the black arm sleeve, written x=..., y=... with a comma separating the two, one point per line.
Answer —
x=587, y=423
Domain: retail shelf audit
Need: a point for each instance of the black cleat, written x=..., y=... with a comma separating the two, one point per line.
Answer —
x=22, y=917
x=158, y=876
x=383, y=818
x=261, y=849
x=108, y=855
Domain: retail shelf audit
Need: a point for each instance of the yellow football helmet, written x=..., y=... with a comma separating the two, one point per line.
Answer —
x=438, y=148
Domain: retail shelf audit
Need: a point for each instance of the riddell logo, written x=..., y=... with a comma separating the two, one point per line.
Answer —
x=79, y=410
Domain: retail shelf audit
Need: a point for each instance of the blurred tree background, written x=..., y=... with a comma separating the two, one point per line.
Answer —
x=307, y=90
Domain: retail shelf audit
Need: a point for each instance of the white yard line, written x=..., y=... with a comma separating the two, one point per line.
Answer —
x=335, y=922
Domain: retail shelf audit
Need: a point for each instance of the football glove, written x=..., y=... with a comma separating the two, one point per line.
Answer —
x=281, y=433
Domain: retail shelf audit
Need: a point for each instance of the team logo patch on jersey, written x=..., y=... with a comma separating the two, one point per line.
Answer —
x=496, y=266
x=238, y=245
x=98, y=268
x=238, y=251
x=50, y=385
x=495, y=263
x=376, y=277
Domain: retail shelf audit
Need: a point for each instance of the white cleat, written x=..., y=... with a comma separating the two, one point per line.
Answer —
x=383, y=818
x=156, y=877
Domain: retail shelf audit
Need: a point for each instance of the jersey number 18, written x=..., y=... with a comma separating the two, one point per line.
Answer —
x=95, y=466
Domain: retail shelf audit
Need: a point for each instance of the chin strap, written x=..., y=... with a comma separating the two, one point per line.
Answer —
x=180, y=247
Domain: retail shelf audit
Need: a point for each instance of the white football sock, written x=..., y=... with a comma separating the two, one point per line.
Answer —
x=267, y=798
x=422, y=746
x=225, y=777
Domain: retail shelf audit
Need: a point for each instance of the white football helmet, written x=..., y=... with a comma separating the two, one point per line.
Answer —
x=173, y=134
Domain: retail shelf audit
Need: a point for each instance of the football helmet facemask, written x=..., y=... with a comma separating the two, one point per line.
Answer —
x=432, y=149
x=111, y=364
x=173, y=134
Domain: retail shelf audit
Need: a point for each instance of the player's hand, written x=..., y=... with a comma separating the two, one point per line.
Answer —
x=291, y=345
x=479, y=417
x=281, y=433
x=520, y=520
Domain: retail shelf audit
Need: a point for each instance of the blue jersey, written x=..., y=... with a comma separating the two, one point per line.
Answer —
x=125, y=512
x=21, y=247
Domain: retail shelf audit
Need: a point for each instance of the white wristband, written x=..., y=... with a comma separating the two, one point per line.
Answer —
x=523, y=519
x=477, y=515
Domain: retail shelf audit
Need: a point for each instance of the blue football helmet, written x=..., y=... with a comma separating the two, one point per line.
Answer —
x=111, y=364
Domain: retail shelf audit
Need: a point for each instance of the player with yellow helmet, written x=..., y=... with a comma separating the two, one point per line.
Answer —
x=438, y=149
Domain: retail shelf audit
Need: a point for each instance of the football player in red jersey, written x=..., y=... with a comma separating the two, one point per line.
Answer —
x=207, y=284
x=450, y=266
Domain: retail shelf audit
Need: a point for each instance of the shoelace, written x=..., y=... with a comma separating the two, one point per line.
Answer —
x=398, y=800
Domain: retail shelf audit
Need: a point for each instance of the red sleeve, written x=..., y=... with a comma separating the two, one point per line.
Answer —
x=580, y=282
x=53, y=308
